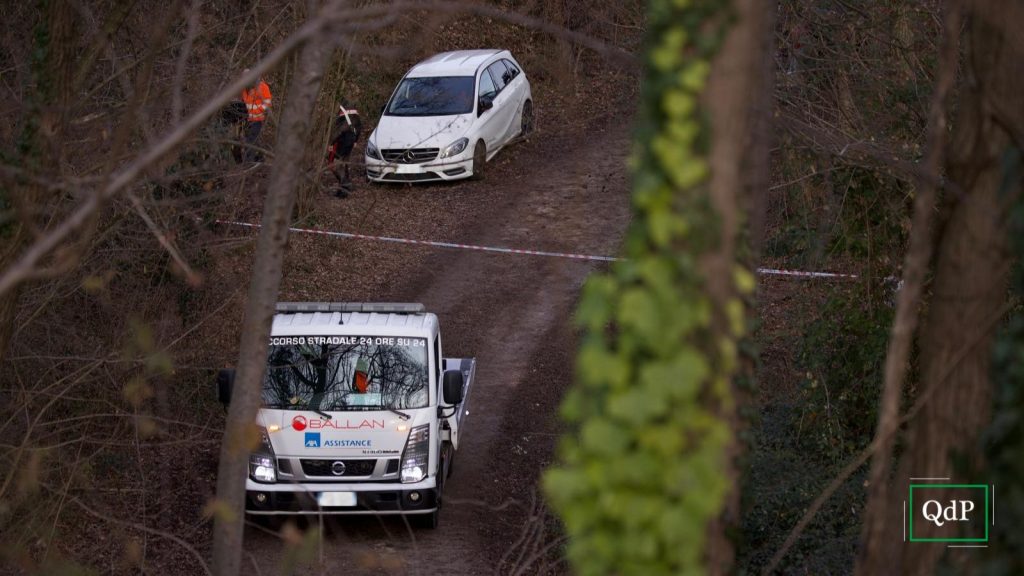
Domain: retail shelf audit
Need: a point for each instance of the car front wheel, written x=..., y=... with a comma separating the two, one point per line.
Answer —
x=526, y=120
x=479, y=159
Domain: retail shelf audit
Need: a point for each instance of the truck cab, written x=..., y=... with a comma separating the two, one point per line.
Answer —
x=361, y=413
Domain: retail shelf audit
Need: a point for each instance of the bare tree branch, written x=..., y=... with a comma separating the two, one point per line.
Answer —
x=143, y=528
x=21, y=270
x=192, y=278
x=263, y=290
x=915, y=266
x=186, y=51
x=863, y=457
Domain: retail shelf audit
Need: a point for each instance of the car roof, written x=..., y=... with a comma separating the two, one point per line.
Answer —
x=456, y=63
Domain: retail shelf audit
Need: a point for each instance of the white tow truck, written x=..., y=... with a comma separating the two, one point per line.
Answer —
x=361, y=413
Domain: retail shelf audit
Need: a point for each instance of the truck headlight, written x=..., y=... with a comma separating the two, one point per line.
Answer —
x=416, y=455
x=455, y=148
x=372, y=152
x=262, y=468
x=262, y=465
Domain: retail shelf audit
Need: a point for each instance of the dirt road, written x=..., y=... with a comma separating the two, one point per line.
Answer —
x=512, y=312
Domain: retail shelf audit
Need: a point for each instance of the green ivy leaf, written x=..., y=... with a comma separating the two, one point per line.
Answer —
x=639, y=312
x=603, y=437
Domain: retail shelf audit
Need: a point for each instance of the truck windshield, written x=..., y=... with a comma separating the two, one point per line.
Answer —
x=433, y=96
x=346, y=373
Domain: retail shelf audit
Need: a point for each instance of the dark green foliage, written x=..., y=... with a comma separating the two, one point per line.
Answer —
x=783, y=478
x=843, y=356
x=1004, y=440
x=806, y=437
x=855, y=213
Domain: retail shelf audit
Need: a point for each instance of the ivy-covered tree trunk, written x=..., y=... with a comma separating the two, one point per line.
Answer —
x=738, y=101
x=647, y=483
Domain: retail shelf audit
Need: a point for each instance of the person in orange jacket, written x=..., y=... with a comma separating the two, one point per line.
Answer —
x=257, y=102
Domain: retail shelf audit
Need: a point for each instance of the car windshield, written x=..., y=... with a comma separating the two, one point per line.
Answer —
x=434, y=96
x=342, y=373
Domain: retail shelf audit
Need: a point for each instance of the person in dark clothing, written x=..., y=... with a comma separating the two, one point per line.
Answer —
x=344, y=134
x=232, y=125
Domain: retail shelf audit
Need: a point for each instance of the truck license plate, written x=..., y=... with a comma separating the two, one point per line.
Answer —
x=337, y=499
x=409, y=169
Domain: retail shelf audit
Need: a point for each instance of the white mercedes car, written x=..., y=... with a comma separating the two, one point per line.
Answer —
x=448, y=116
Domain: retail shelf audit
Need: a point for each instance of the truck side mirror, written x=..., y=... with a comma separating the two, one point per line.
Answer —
x=225, y=382
x=452, y=387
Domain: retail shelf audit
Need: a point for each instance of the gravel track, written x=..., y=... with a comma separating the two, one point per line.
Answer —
x=513, y=313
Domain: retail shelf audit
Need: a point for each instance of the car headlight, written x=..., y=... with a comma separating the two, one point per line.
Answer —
x=416, y=455
x=262, y=465
x=372, y=152
x=455, y=148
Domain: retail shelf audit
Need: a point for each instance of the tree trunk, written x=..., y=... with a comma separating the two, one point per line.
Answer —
x=41, y=150
x=968, y=293
x=875, y=532
x=972, y=265
x=738, y=99
x=266, y=278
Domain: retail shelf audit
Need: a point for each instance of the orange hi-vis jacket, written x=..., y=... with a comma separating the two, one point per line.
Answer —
x=257, y=101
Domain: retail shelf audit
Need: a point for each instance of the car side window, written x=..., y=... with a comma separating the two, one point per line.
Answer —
x=499, y=73
x=510, y=71
x=487, y=88
x=512, y=68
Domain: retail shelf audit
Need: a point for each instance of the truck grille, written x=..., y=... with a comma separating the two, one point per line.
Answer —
x=409, y=155
x=325, y=467
x=284, y=465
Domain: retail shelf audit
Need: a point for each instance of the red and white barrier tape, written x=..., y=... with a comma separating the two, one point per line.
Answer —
x=778, y=272
x=765, y=271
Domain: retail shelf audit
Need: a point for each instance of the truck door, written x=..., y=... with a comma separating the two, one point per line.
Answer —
x=453, y=424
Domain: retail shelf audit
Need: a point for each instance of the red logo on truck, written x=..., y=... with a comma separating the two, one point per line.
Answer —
x=299, y=423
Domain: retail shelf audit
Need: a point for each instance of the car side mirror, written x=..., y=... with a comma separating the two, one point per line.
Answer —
x=452, y=387
x=225, y=382
x=485, y=104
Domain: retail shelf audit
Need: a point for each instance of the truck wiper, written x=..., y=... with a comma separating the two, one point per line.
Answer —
x=401, y=415
x=322, y=414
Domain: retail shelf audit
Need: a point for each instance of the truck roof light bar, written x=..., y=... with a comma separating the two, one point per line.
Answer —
x=381, y=307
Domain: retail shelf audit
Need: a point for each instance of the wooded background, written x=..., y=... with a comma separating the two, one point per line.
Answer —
x=772, y=433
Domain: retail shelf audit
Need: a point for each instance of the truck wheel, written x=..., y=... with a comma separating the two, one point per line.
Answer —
x=479, y=159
